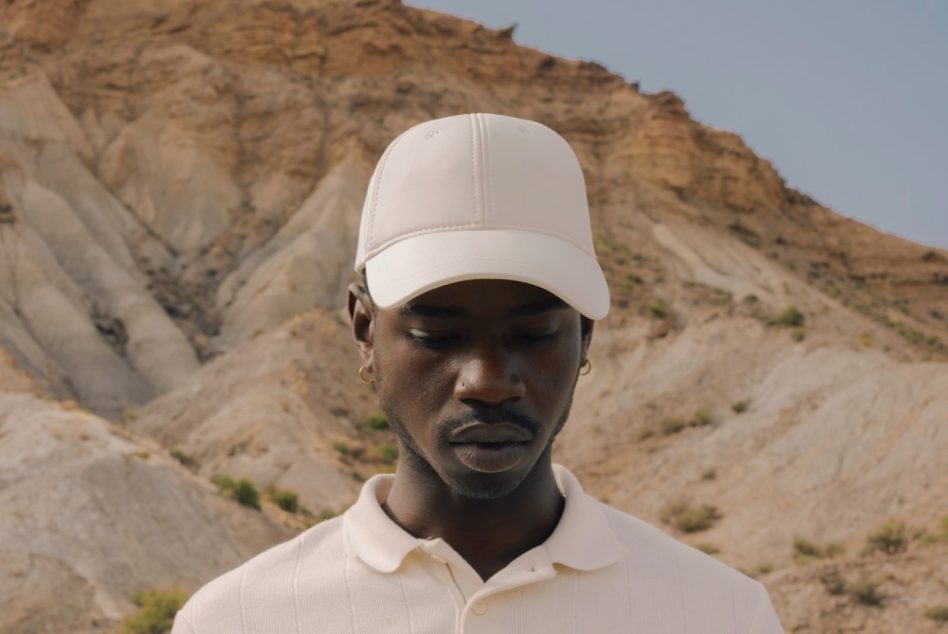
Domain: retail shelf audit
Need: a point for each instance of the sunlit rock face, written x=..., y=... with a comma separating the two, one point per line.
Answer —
x=180, y=189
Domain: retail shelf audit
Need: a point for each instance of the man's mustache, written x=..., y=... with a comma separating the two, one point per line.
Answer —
x=488, y=415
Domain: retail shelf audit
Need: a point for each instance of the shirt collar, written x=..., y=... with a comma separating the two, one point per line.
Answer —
x=583, y=539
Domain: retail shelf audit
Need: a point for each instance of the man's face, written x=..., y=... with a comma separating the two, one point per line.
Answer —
x=477, y=379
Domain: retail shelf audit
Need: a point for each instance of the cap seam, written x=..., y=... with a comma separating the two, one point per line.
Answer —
x=485, y=170
x=473, y=226
x=378, y=186
x=474, y=165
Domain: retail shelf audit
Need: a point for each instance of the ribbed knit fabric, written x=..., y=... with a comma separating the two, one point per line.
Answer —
x=600, y=571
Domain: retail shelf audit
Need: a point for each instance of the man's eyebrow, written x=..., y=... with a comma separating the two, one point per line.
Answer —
x=429, y=310
x=536, y=308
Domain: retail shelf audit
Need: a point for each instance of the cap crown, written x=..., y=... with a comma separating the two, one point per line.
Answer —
x=475, y=172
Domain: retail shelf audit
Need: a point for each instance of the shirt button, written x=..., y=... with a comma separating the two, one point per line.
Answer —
x=479, y=607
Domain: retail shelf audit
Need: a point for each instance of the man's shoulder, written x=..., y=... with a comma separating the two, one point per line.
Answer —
x=657, y=554
x=223, y=600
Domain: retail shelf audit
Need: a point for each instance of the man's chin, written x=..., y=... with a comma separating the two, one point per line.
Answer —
x=492, y=490
x=476, y=485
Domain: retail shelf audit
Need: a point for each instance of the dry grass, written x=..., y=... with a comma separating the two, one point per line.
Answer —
x=690, y=518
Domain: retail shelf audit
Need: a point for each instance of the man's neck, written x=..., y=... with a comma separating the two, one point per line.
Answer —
x=489, y=534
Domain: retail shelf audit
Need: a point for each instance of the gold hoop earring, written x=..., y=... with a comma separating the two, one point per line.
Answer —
x=367, y=380
x=586, y=367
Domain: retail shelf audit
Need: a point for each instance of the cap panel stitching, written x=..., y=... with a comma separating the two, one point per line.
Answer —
x=378, y=186
x=485, y=178
x=474, y=165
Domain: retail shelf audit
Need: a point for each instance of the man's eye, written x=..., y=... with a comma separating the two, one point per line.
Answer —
x=431, y=339
x=537, y=337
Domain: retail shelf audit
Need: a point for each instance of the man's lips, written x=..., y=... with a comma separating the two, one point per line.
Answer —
x=489, y=433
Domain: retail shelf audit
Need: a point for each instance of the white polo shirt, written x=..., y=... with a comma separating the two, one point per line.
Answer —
x=600, y=571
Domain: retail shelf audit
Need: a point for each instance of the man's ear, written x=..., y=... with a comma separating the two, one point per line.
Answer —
x=362, y=316
x=586, y=332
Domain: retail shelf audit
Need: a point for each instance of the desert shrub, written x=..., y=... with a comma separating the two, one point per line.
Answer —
x=833, y=582
x=833, y=549
x=709, y=474
x=388, y=452
x=791, y=316
x=701, y=418
x=224, y=483
x=327, y=514
x=657, y=309
x=377, y=422
x=688, y=518
x=889, y=537
x=287, y=500
x=708, y=548
x=241, y=490
x=186, y=460
x=937, y=613
x=157, y=607
x=141, y=455
x=673, y=425
x=739, y=407
x=246, y=493
x=645, y=433
x=342, y=448
x=805, y=549
x=866, y=591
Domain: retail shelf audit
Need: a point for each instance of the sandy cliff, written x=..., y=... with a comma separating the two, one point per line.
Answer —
x=180, y=186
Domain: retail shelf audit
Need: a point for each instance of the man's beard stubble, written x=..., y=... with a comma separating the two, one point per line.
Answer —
x=412, y=453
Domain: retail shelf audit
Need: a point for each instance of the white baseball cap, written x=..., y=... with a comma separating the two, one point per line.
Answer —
x=479, y=196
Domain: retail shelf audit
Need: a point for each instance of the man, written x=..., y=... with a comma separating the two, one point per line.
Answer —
x=474, y=312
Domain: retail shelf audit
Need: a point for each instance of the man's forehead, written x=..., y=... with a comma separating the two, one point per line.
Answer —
x=473, y=296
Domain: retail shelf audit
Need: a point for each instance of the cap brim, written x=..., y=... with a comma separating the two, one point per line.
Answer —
x=416, y=265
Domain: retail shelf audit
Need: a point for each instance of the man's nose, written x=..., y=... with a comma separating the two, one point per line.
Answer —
x=490, y=375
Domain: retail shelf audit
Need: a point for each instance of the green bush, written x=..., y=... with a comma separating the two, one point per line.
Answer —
x=791, y=316
x=242, y=490
x=805, y=549
x=388, y=453
x=688, y=518
x=224, y=483
x=246, y=493
x=833, y=582
x=709, y=549
x=673, y=425
x=377, y=422
x=739, y=407
x=701, y=418
x=157, y=607
x=657, y=309
x=866, y=591
x=185, y=460
x=889, y=537
x=287, y=500
x=937, y=613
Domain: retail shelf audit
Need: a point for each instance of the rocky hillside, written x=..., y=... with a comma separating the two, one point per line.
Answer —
x=180, y=187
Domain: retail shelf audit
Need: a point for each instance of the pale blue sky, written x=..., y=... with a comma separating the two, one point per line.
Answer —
x=848, y=98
